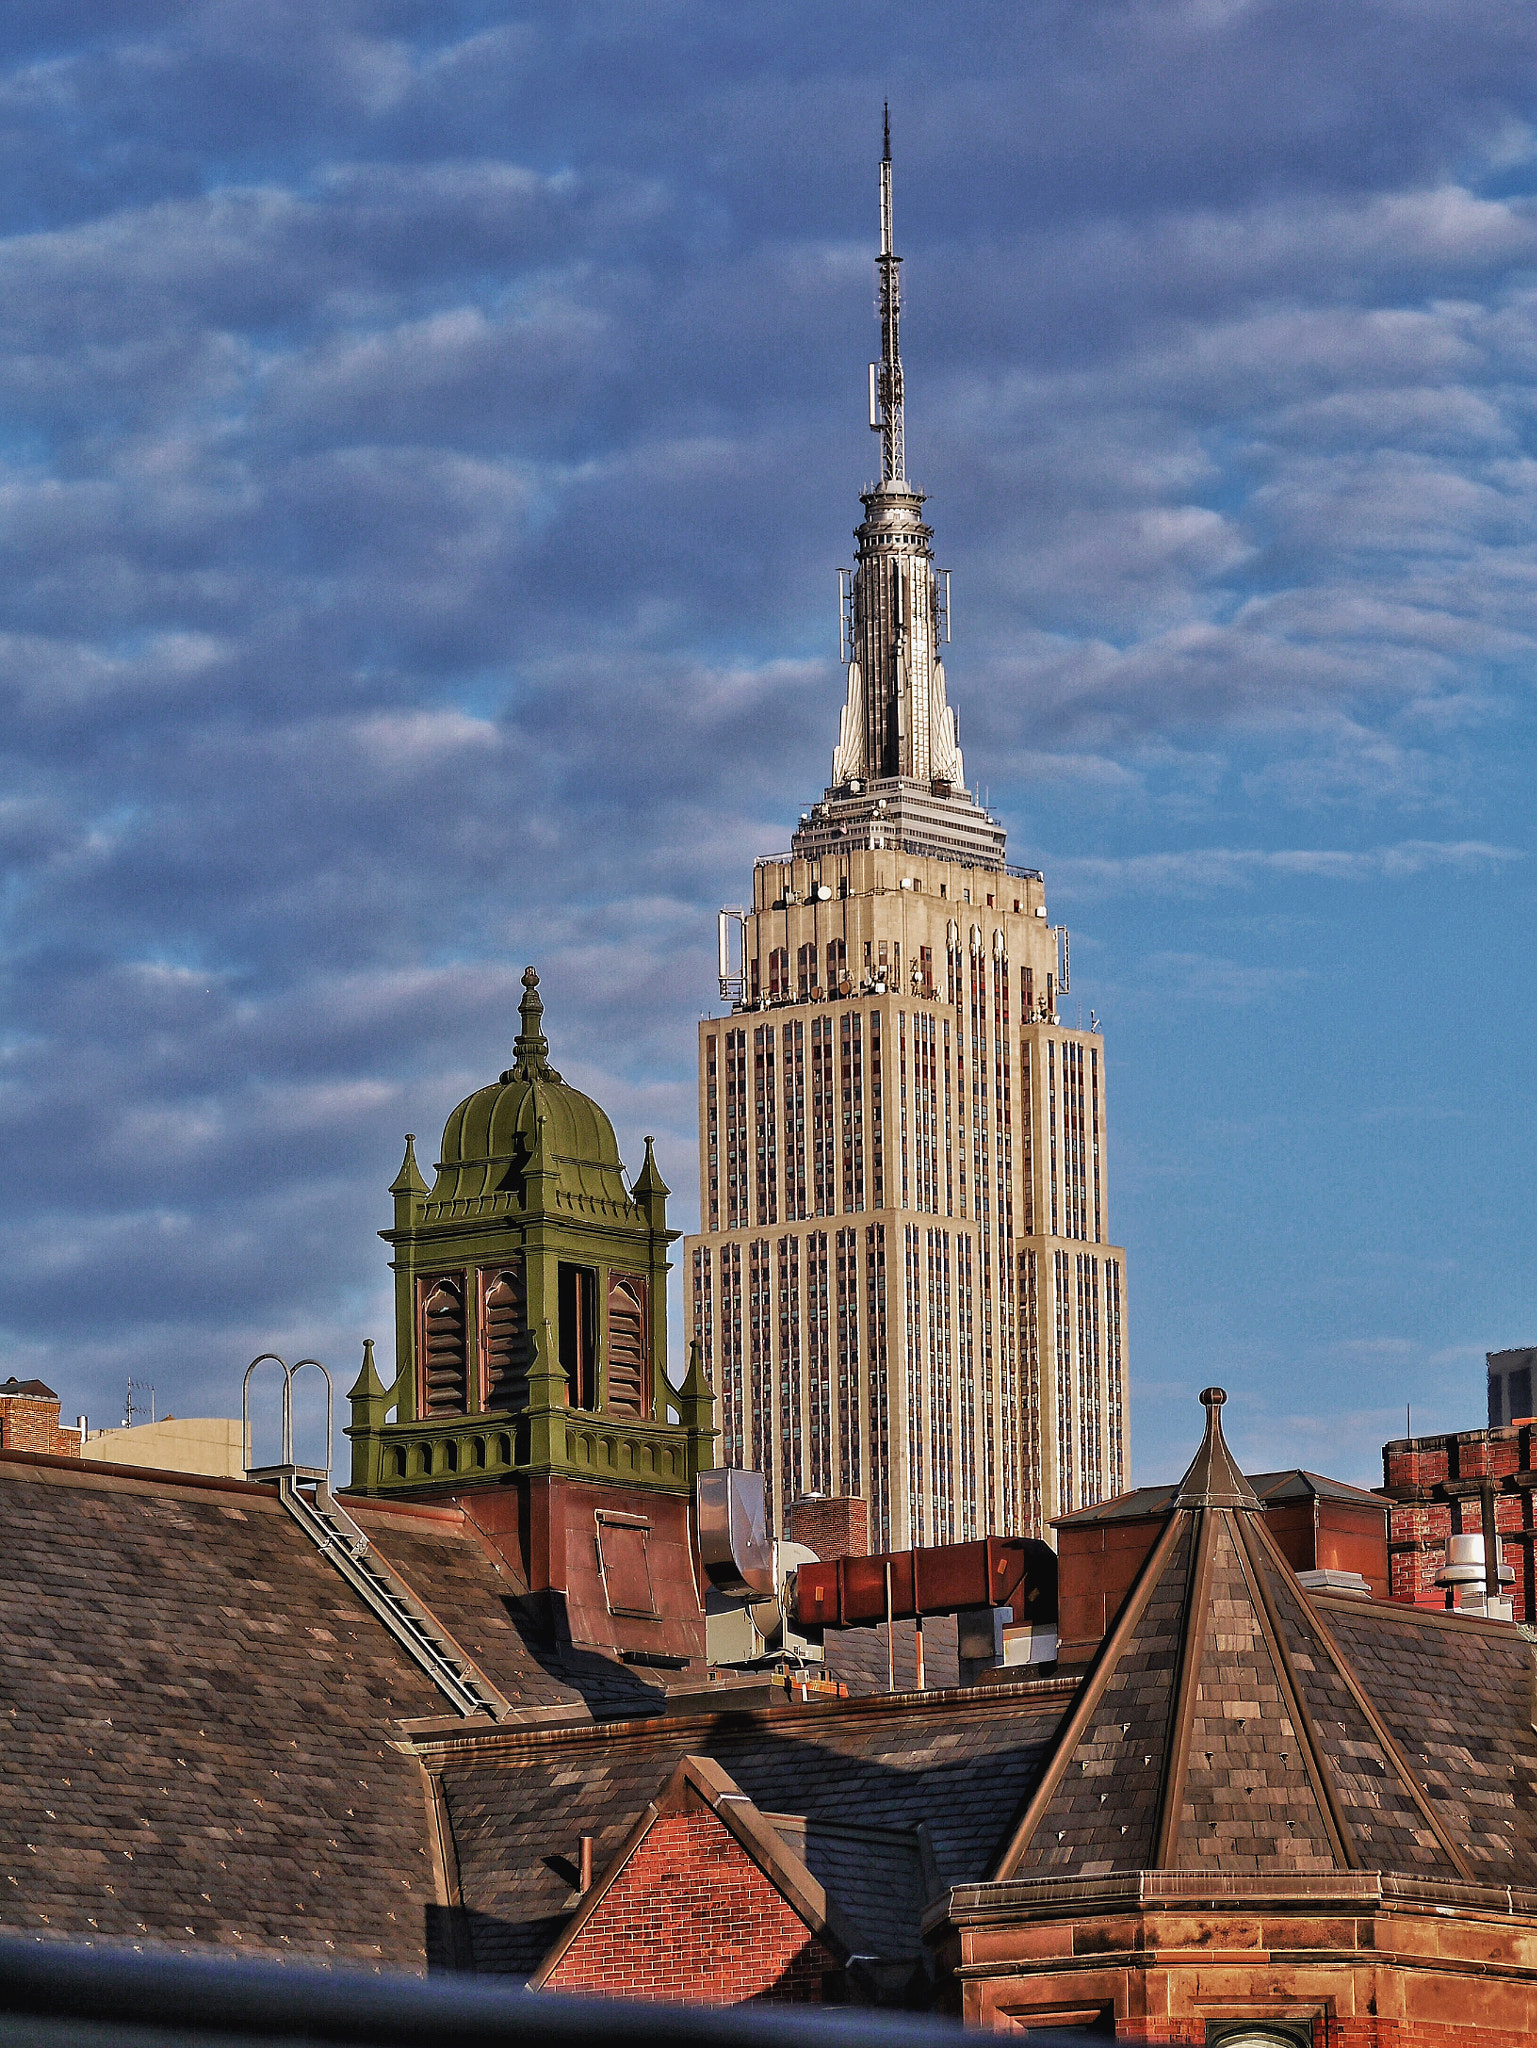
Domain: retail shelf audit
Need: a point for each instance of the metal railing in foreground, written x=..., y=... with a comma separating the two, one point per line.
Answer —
x=56, y=1995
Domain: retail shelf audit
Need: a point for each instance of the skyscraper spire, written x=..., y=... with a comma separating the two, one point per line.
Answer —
x=886, y=380
x=897, y=726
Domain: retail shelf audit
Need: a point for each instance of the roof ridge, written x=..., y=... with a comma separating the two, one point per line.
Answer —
x=1042, y=1694
x=107, y=1475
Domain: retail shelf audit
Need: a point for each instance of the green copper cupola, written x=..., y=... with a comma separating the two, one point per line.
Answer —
x=530, y=1302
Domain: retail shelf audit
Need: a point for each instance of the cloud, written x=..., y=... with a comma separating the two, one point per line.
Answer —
x=425, y=441
x=1202, y=869
x=1196, y=977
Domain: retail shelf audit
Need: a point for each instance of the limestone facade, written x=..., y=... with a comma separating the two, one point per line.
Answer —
x=905, y=1285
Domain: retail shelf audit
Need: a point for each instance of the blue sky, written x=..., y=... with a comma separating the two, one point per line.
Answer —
x=427, y=434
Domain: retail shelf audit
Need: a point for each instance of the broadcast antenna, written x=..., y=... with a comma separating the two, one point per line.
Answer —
x=886, y=379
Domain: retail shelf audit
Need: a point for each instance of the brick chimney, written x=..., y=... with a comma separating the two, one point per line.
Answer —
x=29, y=1420
x=833, y=1528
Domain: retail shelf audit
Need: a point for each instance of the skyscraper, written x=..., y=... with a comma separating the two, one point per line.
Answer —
x=903, y=1286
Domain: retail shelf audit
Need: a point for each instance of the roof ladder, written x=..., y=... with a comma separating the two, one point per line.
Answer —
x=339, y=1539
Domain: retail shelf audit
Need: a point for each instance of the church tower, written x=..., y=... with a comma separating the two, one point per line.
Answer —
x=903, y=1286
x=530, y=1385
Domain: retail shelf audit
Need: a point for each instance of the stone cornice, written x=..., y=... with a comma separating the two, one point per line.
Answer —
x=1065, y=1898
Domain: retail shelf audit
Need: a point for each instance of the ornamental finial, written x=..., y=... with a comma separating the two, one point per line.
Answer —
x=531, y=1049
x=1214, y=1479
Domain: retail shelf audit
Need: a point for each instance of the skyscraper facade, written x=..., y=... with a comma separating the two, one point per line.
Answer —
x=903, y=1286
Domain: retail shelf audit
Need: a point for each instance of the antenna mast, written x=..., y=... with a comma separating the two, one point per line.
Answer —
x=886, y=382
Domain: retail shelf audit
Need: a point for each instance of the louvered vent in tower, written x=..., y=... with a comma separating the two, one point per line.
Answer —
x=507, y=1346
x=629, y=1354
x=444, y=1377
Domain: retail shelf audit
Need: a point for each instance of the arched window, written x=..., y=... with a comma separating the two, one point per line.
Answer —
x=629, y=1349
x=440, y=1345
x=1259, y=2034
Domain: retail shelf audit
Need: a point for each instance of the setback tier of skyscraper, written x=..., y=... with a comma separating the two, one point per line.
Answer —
x=904, y=1286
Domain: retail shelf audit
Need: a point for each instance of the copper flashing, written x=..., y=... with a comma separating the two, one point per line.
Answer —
x=1408, y=1616
x=1214, y=1480
x=106, y=1476
x=469, y=1742
x=1050, y=1897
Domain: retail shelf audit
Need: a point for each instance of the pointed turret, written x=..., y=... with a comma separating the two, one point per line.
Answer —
x=1220, y=1727
x=371, y=1402
x=368, y=1386
x=408, y=1188
x=696, y=1406
x=651, y=1191
x=540, y=1175
x=409, y=1179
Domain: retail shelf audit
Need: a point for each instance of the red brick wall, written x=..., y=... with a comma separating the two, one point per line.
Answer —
x=1375, y=2033
x=692, y=1918
x=32, y=1424
x=832, y=1528
x=1418, y=1529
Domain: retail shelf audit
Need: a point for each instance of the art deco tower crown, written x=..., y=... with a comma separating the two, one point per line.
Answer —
x=897, y=774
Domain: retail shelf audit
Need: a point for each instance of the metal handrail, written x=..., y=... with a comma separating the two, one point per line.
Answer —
x=338, y=1538
x=58, y=1995
x=330, y=1407
x=286, y=1440
x=285, y=1445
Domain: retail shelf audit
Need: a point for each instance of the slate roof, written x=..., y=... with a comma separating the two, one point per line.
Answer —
x=517, y=1803
x=209, y=1742
x=1231, y=1723
x=879, y=1877
x=857, y=1656
x=199, y=1720
x=485, y=1607
x=195, y=1716
x=1456, y=1694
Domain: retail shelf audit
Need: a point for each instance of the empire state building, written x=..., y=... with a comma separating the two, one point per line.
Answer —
x=904, y=1286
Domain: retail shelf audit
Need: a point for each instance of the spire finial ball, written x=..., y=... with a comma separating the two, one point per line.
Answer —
x=530, y=978
x=1213, y=1397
